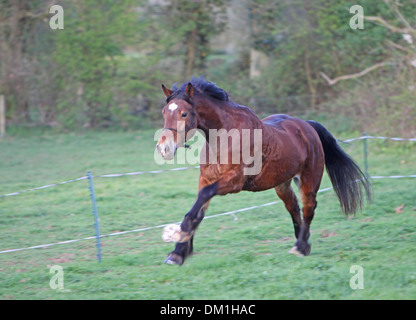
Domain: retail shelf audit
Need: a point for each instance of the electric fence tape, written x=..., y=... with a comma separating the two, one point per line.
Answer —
x=180, y=169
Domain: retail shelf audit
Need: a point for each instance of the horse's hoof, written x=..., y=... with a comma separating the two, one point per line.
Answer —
x=174, y=233
x=301, y=252
x=296, y=252
x=174, y=259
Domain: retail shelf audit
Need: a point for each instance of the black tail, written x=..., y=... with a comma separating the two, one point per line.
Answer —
x=347, y=178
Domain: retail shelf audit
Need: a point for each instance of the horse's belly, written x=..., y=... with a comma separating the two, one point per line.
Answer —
x=267, y=179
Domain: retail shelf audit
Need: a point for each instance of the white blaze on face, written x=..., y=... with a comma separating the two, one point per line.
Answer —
x=173, y=107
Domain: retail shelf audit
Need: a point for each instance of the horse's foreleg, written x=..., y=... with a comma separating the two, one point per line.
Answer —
x=181, y=252
x=231, y=184
x=185, y=232
x=184, y=246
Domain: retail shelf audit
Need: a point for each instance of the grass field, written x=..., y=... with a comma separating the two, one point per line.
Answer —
x=241, y=256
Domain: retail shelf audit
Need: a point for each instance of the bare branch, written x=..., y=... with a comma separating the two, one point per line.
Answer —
x=35, y=16
x=395, y=8
x=331, y=82
x=388, y=25
x=399, y=47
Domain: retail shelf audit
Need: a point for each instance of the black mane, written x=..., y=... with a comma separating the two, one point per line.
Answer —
x=201, y=86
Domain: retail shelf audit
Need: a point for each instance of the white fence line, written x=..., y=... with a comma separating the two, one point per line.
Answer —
x=44, y=187
x=164, y=225
x=147, y=228
x=184, y=168
x=178, y=169
x=379, y=137
x=142, y=172
x=99, y=176
x=393, y=177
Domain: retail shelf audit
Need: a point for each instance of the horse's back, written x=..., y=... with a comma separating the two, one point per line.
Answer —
x=283, y=124
x=276, y=119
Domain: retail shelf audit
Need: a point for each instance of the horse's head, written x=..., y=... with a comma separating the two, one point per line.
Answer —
x=180, y=121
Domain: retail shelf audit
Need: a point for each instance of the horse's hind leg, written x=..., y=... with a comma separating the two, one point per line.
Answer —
x=308, y=191
x=286, y=194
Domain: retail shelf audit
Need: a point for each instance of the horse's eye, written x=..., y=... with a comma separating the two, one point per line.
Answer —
x=184, y=114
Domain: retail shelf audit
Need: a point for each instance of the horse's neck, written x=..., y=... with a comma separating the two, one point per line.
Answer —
x=224, y=115
x=211, y=116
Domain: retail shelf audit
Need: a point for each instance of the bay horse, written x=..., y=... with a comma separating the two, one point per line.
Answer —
x=291, y=149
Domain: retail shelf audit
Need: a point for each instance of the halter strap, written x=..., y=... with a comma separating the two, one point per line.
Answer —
x=185, y=145
x=174, y=130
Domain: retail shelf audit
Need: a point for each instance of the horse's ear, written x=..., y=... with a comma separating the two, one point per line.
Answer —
x=189, y=90
x=166, y=91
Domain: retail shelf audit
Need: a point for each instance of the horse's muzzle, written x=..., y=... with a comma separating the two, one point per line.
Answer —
x=166, y=150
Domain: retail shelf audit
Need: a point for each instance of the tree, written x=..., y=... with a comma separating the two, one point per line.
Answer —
x=86, y=52
x=402, y=49
x=304, y=38
x=17, y=20
x=190, y=25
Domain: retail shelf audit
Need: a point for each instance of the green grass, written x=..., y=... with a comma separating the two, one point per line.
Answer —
x=243, y=258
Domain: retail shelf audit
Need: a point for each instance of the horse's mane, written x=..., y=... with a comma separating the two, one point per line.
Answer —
x=202, y=87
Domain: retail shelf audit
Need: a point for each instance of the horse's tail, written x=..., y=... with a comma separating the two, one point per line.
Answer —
x=347, y=178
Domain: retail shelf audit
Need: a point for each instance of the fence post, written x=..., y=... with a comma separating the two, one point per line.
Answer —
x=2, y=116
x=95, y=213
x=365, y=155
